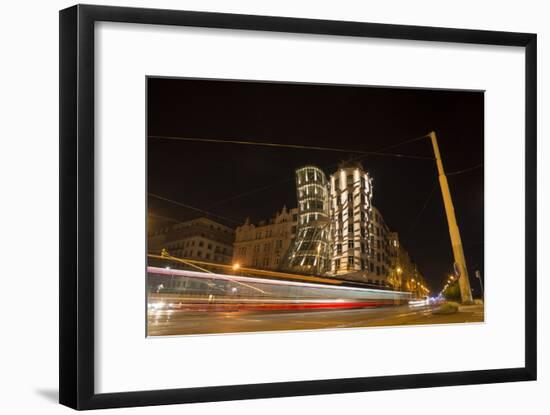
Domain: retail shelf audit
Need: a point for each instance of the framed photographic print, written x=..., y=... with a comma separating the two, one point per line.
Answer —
x=258, y=206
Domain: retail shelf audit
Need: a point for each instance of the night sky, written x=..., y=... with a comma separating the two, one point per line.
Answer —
x=224, y=179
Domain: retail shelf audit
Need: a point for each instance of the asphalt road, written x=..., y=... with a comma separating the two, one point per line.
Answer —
x=178, y=322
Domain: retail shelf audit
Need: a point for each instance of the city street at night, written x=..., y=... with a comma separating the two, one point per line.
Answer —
x=274, y=206
x=175, y=322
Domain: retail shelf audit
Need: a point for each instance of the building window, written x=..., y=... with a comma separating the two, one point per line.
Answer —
x=362, y=247
x=378, y=256
x=199, y=253
x=336, y=264
x=201, y=243
x=350, y=197
x=339, y=249
x=350, y=228
x=351, y=244
x=377, y=270
x=371, y=267
x=209, y=246
x=350, y=261
x=363, y=264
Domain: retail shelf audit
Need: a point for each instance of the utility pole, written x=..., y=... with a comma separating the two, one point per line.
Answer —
x=458, y=252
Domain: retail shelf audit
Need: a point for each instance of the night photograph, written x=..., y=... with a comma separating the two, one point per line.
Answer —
x=288, y=206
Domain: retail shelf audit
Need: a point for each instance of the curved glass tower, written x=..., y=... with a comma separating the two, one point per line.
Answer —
x=310, y=251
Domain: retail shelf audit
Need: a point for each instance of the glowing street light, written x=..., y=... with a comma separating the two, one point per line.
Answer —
x=236, y=266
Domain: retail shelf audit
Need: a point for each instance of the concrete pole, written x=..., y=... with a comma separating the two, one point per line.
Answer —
x=458, y=252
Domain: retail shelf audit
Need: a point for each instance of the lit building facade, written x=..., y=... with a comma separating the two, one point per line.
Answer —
x=379, y=258
x=404, y=273
x=310, y=252
x=335, y=231
x=265, y=244
x=351, y=207
x=200, y=239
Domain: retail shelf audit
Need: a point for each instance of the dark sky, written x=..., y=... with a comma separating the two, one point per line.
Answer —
x=222, y=178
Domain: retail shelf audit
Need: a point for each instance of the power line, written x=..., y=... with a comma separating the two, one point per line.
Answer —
x=293, y=146
x=417, y=218
x=466, y=170
x=249, y=192
x=175, y=202
x=259, y=189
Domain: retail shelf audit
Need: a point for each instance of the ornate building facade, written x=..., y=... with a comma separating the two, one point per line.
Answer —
x=201, y=239
x=265, y=244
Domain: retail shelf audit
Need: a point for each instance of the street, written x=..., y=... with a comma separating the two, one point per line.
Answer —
x=181, y=322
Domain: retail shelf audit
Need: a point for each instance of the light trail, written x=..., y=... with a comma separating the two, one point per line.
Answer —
x=257, y=271
x=195, y=274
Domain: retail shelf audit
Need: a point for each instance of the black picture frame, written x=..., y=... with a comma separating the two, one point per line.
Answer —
x=76, y=279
